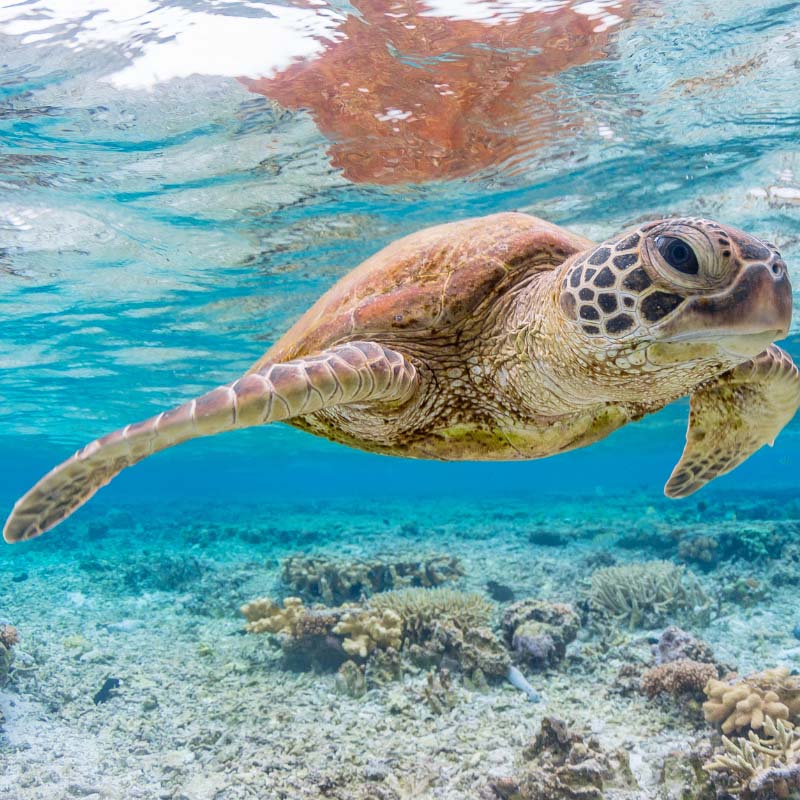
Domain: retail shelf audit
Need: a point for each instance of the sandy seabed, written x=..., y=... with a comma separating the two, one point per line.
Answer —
x=203, y=711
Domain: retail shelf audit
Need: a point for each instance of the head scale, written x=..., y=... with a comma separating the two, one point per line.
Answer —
x=679, y=282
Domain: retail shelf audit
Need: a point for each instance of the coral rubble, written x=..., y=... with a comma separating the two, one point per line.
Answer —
x=560, y=764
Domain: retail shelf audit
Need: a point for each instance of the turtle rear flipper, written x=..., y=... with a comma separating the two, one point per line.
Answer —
x=348, y=373
x=733, y=416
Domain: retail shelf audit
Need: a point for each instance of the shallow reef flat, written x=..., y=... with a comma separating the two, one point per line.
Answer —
x=129, y=670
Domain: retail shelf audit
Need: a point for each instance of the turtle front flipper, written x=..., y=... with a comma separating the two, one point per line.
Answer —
x=733, y=416
x=349, y=373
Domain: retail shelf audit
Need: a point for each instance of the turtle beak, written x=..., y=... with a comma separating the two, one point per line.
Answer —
x=749, y=315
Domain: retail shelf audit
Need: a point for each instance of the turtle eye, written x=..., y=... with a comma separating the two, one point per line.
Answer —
x=678, y=254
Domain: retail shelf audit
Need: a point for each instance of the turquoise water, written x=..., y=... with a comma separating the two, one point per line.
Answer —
x=179, y=181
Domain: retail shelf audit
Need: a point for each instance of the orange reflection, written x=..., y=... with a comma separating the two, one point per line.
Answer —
x=407, y=96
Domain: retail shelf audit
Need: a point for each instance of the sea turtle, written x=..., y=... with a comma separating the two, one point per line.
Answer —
x=504, y=337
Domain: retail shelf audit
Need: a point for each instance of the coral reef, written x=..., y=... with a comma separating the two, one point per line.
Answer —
x=432, y=627
x=8, y=638
x=754, y=540
x=476, y=652
x=164, y=573
x=365, y=630
x=645, y=594
x=422, y=610
x=265, y=616
x=760, y=767
x=701, y=549
x=539, y=632
x=562, y=765
x=305, y=634
x=675, y=644
x=336, y=581
x=736, y=706
x=677, y=678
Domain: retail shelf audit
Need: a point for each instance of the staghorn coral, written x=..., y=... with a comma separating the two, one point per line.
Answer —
x=760, y=767
x=745, y=704
x=365, y=630
x=539, y=632
x=336, y=581
x=645, y=594
x=678, y=678
x=422, y=610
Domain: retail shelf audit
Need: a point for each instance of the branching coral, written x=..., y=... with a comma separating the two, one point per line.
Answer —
x=337, y=581
x=736, y=706
x=760, y=767
x=644, y=594
x=677, y=678
x=365, y=630
x=265, y=616
x=422, y=610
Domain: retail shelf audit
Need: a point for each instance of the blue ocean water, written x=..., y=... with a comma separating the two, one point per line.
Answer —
x=181, y=179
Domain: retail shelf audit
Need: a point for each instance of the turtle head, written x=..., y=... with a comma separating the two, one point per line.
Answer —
x=680, y=290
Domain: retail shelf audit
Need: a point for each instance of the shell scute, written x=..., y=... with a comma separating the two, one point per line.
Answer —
x=428, y=281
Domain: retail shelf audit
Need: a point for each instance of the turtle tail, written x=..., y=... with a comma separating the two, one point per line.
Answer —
x=353, y=372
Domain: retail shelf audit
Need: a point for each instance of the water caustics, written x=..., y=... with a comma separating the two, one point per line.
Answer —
x=180, y=181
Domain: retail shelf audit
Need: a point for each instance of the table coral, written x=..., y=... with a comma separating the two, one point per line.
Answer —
x=644, y=594
x=760, y=767
x=736, y=706
x=678, y=678
x=365, y=630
